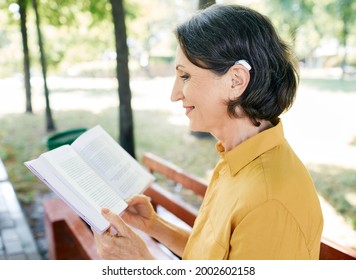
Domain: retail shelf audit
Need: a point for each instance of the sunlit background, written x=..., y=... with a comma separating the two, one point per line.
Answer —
x=81, y=63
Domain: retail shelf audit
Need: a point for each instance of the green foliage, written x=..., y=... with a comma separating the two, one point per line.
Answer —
x=82, y=31
x=309, y=23
x=59, y=12
x=100, y=10
x=345, y=11
x=334, y=184
x=290, y=15
x=205, y=3
x=65, y=12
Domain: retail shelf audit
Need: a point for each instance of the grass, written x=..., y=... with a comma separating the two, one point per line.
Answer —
x=23, y=136
x=338, y=186
x=333, y=85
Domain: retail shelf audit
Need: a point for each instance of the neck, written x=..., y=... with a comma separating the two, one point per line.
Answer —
x=238, y=131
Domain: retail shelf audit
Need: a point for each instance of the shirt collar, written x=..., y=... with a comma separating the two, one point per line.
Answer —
x=252, y=148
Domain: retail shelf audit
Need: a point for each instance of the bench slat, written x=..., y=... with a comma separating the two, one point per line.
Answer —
x=68, y=236
x=174, y=173
x=330, y=250
x=167, y=200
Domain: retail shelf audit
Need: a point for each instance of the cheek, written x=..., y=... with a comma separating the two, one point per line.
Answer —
x=208, y=93
x=193, y=92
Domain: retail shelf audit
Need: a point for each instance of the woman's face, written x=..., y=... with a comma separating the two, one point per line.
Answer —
x=203, y=94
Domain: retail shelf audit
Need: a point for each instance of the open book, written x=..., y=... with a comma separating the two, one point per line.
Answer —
x=93, y=172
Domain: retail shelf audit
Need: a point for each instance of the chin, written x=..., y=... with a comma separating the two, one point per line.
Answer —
x=196, y=129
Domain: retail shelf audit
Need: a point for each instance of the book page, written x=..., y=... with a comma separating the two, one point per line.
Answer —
x=70, y=168
x=43, y=171
x=122, y=172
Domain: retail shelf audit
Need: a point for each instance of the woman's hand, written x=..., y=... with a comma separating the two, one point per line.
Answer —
x=125, y=244
x=140, y=213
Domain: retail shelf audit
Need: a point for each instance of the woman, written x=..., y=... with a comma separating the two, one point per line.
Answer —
x=234, y=77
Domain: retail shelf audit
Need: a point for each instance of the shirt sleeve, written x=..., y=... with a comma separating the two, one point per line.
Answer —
x=266, y=233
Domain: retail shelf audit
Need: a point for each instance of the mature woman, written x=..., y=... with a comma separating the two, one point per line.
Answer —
x=234, y=77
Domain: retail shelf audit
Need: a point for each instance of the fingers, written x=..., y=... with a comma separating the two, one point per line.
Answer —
x=108, y=246
x=125, y=244
x=115, y=220
x=96, y=235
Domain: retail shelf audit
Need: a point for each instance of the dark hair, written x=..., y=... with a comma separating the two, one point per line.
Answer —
x=215, y=38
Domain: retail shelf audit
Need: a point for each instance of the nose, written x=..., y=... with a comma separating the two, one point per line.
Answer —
x=177, y=93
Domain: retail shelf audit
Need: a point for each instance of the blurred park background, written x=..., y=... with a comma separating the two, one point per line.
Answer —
x=62, y=60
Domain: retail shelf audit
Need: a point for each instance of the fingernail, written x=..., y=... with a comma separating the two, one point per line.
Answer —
x=105, y=211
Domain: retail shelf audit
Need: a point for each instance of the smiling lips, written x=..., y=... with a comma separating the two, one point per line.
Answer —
x=188, y=109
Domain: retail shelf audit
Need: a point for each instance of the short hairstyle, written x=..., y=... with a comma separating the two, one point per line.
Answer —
x=217, y=37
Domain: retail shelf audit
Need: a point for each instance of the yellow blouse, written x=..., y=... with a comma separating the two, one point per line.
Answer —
x=261, y=203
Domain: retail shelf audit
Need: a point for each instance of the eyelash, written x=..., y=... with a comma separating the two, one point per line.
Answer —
x=184, y=77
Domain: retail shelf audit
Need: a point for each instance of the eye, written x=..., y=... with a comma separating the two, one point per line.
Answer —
x=184, y=77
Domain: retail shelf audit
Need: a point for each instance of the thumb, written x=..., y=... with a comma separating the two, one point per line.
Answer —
x=139, y=198
x=115, y=220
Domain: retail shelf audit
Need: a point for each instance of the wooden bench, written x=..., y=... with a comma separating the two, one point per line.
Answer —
x=70, y=238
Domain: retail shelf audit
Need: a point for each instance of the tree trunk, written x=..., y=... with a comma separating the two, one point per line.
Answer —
x=344, y=36
x=49, y=120
x=26, y=56
x=126, y=125
x=205, y=3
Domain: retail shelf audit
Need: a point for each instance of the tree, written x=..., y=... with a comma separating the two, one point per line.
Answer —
x=19, y=11
x=290, y=15
x=205, y=3
x=49, y=120
x=126, y=125
x=23, y=4
x=345, y=11
x=99, y=11
x=61, y=12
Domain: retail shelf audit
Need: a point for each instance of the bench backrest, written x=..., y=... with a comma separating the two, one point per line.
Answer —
x=329, y=250
x=164, y=198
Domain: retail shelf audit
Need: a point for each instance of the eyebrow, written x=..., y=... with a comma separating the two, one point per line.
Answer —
x=179, y=66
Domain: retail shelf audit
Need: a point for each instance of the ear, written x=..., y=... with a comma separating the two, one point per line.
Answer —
x=240, y=77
